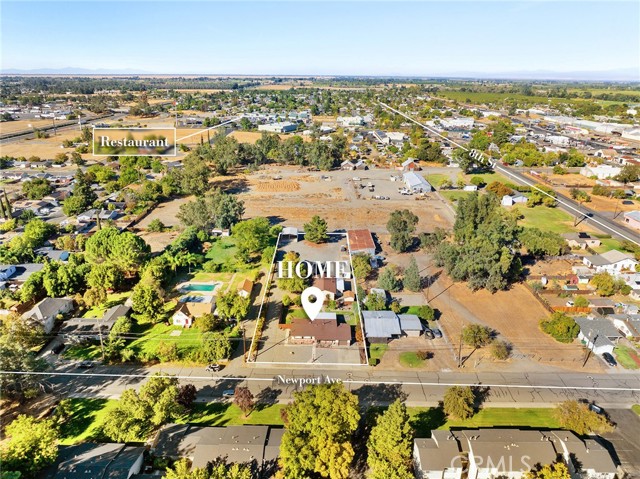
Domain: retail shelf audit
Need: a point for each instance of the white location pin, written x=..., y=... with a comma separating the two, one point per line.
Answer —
x=312, y=309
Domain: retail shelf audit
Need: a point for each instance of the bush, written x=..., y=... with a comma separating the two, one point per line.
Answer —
x=424, y=355
x=500, y=350
x=581, y=302
x=373, y=361
x=561, y=327
x=167, y=351
x=206, y=323
x=286, y=301
x=426, y=313
x=478, y=181
x=156, y=226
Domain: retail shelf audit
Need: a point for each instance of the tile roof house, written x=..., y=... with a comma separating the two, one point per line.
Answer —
x=47, y=310
x=91, y=461
x=324, y=331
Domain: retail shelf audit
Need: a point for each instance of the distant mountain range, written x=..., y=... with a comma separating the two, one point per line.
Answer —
x=621, y=74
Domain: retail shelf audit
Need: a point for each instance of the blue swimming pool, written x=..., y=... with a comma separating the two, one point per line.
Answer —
x=198, y=287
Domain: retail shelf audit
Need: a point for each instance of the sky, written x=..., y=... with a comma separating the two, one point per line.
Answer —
x=418, y=38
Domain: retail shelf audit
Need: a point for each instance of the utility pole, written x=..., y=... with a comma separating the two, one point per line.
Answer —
x=460, y=352
x=589, y=348
x=101, y=342
x=244, y=345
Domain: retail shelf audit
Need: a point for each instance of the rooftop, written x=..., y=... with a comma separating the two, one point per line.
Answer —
x=381, y=324
x=361, y=240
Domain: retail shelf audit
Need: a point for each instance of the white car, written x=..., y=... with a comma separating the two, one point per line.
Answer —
x=570, y=303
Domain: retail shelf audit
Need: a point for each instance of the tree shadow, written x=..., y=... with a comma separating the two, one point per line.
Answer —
x=379, y=394
x=481, y=394
x=426, y=421
x=267, y=397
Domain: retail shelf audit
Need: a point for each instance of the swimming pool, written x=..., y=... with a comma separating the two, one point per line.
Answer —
x=198, y=287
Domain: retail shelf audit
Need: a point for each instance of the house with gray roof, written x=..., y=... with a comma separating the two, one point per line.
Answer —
x=20, y=272
x=47, y=310
x=416, y=183
x=92, y=460
x=599, y=334
x=79, y=330
x=381, y=326
x=410, y=325
x=438, y=457
x=612, y=262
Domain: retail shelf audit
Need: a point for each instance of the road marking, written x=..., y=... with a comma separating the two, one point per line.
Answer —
x=498, y=167
x=346, y=381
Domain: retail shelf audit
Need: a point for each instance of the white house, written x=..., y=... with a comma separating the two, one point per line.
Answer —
x=612, y=262
x=598, y=334
x=416, y=182
x=346, y=121
x=601, y=172
x=280, y=127
x=510, y=200
x=47, y=310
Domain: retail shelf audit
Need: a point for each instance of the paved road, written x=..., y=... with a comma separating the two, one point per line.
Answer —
x=598, y=220
x=625, y=440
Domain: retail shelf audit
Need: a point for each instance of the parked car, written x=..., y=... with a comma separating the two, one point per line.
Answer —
x=437, y=333
x=213, y=368
x=609, y=359
x=570, y=303
x=228, y=393
x=86, y=365
x=429, y=334
x=356, y=178
x=58, y=349
x=595, y=408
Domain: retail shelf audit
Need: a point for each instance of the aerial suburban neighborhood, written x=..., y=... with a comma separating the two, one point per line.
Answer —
x=319, y=275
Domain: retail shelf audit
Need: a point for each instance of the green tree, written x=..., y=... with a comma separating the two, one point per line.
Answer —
x=215, y=210
x=316, y=230
x=27, y=333
x=412, y=280
x=252, y=236
x=629, y=173
x=105, y=275
x=388, y=279
x=318, y=435
x=557, y=470
x=361, y=263
x=147, y=299
x=14, y=357
x=542, y=243
x=81, y=198
x=37, y=188
x=459, y=401
x=193, y=177
x=402, y=225
x=231, y=305
x=32, y=445
x=561, y=327
x=295, y=283
x=215, y=347
x=577, y=417
x=390, y=444
x=476, y=335
x=605, y=284
x=375, y=302
x=425, y=312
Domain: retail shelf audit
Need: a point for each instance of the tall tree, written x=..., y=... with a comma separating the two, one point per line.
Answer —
x=459, y=401
x=388, y=279
x=412, y=280
x=316, y=230
x=244, y=399
x=577, y=417
x=390, y=445
x=32, y=445
x=318, y=434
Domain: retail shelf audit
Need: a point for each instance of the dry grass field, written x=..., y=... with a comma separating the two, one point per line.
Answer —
x=277, y=186
x=253, y=136
x=23, y=125
x=571, y=179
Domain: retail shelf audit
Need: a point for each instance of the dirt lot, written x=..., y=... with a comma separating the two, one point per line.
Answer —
x=515, y=315
x=253, y=136
x=23, y=125
x=165, y=212
x=571, y=179
x=550, y=268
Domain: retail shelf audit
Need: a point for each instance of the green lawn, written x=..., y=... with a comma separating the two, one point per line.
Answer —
x=83, y=351
x=486, y=177
x=112, y=300
x=376, y=351
x=435, y=179
x=228, y=414
x=454, y=195
x=86, y=418
x=410, y=359
x=624, y=357
x=426, y=419
x=608, y=244
x=547, y=219
x=153, y=335
x=223, y=250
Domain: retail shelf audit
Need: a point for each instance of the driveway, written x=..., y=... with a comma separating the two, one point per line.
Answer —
x=625, y=439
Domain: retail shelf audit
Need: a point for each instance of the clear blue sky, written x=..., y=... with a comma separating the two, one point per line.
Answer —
x=348, y=38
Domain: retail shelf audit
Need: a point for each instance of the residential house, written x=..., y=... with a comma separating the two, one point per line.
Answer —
x=245, y=288
x=599, y=334
x=52, y=254
x=438, y=457
x=347, y=121
x=581, y=240
x=328, y=286
x=416, y=182
x=381, y=326
x=612, y=262
x=411, y=325
x=191, y=307
x=90, y=460
x=325, y=331
x=79, y=330
x=38, y=207
x=361, y=241
x=21, y=272
x=601, y=172
x=6, y=271
x=258, y=446
x=632, y=218
x=489, y=453
x=93, y=214
x=47, y=310
x=289, y=232
x=627, y=324
x=410, y=164
x=279, y=127
x=511, y=200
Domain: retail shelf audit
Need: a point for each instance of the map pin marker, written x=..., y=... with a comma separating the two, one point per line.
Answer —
x=312, y=309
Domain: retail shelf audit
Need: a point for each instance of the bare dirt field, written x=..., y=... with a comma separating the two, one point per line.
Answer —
x=571, y=179
x=165, y=212
x=23, y=125
x=550, y=268
x=277, y=186
x=159, y=241
x=325, y=118
x=515, y=315
x=253, y=136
